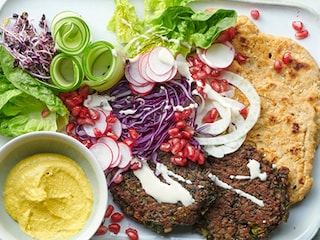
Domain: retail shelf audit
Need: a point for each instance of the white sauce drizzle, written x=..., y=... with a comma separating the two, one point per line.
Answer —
x=170, y=192
x=241, y=193
x=128, y=111
x=255, y=172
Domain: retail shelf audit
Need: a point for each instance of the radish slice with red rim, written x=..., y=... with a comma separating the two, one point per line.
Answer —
x=161, y=60
x=143, y=62
x=99, y=127
x=103, y=154
x=126, y=155
x=116, y=127
x=134, y=75
x=218, y=55
x=142, y=90
x=113, y=145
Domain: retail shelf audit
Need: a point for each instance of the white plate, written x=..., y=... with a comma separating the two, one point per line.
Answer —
x=276, y=18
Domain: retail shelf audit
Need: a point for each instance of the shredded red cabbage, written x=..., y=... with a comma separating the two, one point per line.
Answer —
x=152, y=115
x=33, y=51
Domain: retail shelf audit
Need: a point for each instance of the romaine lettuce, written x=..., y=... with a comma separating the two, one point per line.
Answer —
x=23, y=100
x=170, y=24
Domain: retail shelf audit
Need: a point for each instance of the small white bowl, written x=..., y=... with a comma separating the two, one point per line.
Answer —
x=51, y=142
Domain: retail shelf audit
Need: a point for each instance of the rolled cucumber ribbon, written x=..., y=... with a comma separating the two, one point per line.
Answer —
x=66, y=72
x=103, y=65
x=70, y=33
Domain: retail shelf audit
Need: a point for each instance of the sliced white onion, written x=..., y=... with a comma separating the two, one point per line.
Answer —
x=253, y=113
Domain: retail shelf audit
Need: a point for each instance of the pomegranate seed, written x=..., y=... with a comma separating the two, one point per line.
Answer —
x=70, y=127
x=255, y=14
x=297, y=25
x=206, y=69
x=101, y=230
x=178, y=116
x=166, y=147
x=231, y=33
x=189, y=152
x=215, y=85
x=45, y=113
x=211, y=116
x=223, y=37
x=132, y=233
x=94, y=114
x=181, y=124
x=114, y=227
x=87, y=143
x=129, y=141
x=118, y=179
x=109, y=211
x=84, y=113
x=286, y=58
x=186, y=134
x=97, y=132
x=277, y=65
x=186, y=113
x=302, y=34
x=173, y=131
x=117, y=217
x=180, y=161
x=133, y=133
x=183, y=142
x=224, y=85
x=83, y=121
x=176, y=148
x=189, y=129
x=76, y=111
x=135, y=166
x=112, y=135
x=201, y=158
x=244, y=112
x=241, y=59
x=111, y=119
x=84, y=91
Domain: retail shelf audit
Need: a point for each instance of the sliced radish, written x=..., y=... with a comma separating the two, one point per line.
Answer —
x=133, y=74
x=143, y=62
x=159, y=78
x=103, y=154
x=99, y=127
x=113, y=145
x=126, y=155
x=116, y=127
x=161, y=60
x=218, y=55
x=142, y=90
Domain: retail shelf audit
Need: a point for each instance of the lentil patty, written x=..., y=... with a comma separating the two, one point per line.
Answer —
x=163, y=217
x=232, y=216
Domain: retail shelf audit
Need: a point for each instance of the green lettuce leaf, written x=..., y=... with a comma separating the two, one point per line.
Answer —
x=168, y=23
x=23, y=100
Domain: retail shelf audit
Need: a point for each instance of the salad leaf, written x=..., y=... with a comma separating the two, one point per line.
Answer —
x=170, y=24
x=154, y=8
x=125, y=22
x=23, y=100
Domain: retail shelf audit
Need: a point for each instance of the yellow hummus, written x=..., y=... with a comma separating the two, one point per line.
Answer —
x=49, y=195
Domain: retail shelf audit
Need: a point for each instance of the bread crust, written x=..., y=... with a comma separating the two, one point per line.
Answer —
x=288, y=128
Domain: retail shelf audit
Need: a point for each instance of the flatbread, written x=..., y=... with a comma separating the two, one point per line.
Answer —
x=288, y=128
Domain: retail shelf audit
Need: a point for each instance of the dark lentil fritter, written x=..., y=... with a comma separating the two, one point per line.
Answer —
x=234, y=217
x=163, y=217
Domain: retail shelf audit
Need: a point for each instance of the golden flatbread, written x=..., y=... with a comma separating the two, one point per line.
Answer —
x=288, y=128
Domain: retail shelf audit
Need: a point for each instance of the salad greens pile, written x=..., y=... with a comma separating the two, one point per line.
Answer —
x=26, y=105
x=171, y=24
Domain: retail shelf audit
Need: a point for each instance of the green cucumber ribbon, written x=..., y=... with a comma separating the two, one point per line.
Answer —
x=70, y=33
x=66, y=72
x=103, y=65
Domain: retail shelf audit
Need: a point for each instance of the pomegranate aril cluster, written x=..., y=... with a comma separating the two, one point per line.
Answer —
x=179, y=142
x=114, y=225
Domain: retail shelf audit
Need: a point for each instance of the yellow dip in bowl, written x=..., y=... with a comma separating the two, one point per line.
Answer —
x=49, y=195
